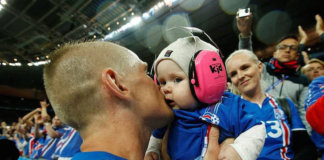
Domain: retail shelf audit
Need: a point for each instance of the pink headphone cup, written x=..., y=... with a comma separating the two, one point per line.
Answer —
x=211, y=75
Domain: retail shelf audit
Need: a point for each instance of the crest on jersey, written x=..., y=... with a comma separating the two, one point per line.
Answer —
x=210, y=114
x=210, y=117
x=279, y=114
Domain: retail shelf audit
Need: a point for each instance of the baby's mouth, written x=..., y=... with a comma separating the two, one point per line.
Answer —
x=170, y=103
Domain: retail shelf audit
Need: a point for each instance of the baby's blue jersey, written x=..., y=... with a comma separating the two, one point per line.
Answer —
x=278, y=141
x=315, y=91
x=187, y=135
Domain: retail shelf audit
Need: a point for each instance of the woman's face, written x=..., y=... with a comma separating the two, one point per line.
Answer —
x=244, y=73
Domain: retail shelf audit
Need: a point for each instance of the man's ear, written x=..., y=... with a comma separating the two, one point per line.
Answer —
x=111, y=81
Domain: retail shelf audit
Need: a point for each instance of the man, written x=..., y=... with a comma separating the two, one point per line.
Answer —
x=314, y=68
x=101, y=89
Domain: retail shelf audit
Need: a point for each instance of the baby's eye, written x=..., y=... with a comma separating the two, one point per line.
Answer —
x=178, y=80
x=162, y=83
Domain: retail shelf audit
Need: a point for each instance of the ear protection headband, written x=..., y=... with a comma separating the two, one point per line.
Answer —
x=207, y=76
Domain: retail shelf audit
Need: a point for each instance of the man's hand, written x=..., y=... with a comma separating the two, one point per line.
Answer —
x=151, y=156
x=319, y=25
x=44, y=103
x=228, y=153
x=38, y=119
x=303, y=35
x=213, y=146
x=244, y=25
x=305, y=57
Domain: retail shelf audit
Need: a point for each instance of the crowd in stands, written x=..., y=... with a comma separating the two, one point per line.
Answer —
x=38, y=136
x=275, y=107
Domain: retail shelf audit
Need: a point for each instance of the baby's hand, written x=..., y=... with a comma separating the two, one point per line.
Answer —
x=151, y=156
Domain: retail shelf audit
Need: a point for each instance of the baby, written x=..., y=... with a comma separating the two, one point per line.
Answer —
x=188, y=134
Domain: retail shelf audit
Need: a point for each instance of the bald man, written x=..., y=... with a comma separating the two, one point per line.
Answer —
x=101, y=89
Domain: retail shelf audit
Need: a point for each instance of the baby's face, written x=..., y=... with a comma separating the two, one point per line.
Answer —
x=174, y=85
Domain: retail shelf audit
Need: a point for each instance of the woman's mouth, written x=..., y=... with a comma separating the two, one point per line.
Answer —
x=244, y=82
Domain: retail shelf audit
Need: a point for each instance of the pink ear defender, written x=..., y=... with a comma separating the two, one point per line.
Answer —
x=207, y=76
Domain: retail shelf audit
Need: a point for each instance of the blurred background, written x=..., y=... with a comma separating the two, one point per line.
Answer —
x=31, y=29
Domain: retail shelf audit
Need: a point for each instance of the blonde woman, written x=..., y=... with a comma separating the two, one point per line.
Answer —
x=244, y=70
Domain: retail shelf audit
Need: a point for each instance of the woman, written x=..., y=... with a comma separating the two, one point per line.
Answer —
x=244, y=70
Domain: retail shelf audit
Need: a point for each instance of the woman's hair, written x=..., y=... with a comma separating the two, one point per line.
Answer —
x=245, y=51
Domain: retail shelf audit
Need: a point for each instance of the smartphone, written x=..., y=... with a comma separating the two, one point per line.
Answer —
x=243, y=12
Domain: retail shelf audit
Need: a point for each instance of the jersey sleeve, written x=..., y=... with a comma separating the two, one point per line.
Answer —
x=297, y=123
x=247, y=116
x=230, y=115
x=159, y=133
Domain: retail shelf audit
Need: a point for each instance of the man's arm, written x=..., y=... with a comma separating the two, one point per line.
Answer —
x=38, y=122
x=28, y=117
x=244, y=25
x=50, y=131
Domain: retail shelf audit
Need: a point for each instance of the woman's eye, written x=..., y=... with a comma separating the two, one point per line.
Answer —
x=232, y=74
x=245, y=67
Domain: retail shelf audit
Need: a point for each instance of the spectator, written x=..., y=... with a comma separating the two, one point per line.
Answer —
x=21, y=139
x=92, y=92
x=285, y=130
x=314, y=105
x=314, y=68
x=52, y=132
x=68, y=145
x=279, y=75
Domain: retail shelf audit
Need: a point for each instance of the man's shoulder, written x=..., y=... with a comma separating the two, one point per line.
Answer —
x=299, y=78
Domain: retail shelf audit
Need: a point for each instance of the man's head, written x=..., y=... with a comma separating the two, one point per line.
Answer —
x=56, y=121
x=287, y=49
x=92, y=81
x=314, y=68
